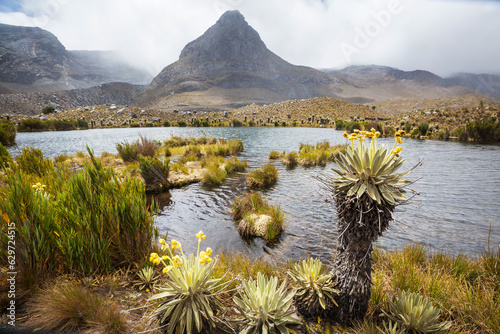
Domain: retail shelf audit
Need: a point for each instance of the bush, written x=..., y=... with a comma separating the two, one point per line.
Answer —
x=31, y=124
x=82, y=124
x=155, y=173
x=48, y=109
x=7, y=133
x=236, y=123
x=135, y=125
x=205, y=124
x=181, y=124
x=283, y=123
x=166, y=124
x=262, y=177
x=423, y=128
x=128, y=152
x=485, y=130
x=251, y=123
x=5, y=158
x=214, y=173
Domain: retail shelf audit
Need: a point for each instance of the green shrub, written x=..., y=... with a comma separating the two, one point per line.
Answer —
x=181, y=124
x=265, y=307
x=7, y=133
x=423, y=128
x=236, y=123
x=149, y=125
x=166, y=124
x=251, y=123
x=155, y=173
x=31, y=161
x=135, y=125
x=48, y=109
x=205, y=124
x=339, y=124
x=5, y=158
x=127, y=151
x=262, y=177
x=283, y=123
x=82, y=124
x=31, y=124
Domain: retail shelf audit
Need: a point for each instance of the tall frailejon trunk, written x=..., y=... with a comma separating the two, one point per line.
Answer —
x=360, y=223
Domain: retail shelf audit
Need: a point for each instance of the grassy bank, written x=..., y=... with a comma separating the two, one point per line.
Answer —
x=465, y=289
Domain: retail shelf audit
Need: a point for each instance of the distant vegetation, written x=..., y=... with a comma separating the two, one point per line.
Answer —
x=35, y=125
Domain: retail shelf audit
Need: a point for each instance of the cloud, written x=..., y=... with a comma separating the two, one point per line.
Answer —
x=436, y=35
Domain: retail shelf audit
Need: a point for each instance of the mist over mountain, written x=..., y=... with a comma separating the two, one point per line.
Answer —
x=33, y=59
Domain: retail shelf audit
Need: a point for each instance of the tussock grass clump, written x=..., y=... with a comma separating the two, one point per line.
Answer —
x=233, y=165
x=146, y=146
x=70, y=307
x=213, y=175
x=262, y=177
x=274, y=155
x=155, y=173
x=291, y=159
x=129, y=152
x=256, y=217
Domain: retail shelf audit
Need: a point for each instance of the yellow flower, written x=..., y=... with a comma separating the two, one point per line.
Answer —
x=162, y=242
x=199, y=235
x=147, y=290
x=345, y=135
x=373, y=130
x=175, y=244
x=163, y=247
x=154, y=258
x=167, y=269
x=164, y=257
x=397, y=150
x=356, y=130
x=209, y=251
x=399, y=140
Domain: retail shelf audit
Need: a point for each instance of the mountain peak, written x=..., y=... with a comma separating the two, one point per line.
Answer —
x=233, y=18
x=231, y=38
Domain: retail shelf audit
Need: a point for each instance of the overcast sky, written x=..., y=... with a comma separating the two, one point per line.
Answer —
x=441, y=36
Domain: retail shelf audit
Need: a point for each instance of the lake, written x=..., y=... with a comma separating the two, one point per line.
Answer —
x=459, y=186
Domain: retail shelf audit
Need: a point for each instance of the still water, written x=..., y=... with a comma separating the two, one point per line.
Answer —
x=459, y=186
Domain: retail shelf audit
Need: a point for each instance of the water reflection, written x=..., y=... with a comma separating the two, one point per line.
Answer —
x=459, y=186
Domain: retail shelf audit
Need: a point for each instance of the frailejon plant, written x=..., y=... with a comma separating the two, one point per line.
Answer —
x=366, y=191
x=315, y=288
x=189, y=296
x=415, y=313
x=265, y=308
x=147, y=278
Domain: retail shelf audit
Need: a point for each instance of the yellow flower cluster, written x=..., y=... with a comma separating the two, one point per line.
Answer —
x=205, y=256
x=201, y=236
x=360, y=136
x=163, y=244
x=155, y=258
x=39, y=188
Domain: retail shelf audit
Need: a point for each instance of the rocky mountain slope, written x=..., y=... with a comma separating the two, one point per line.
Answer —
x=231, y=55
x=32, y=59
